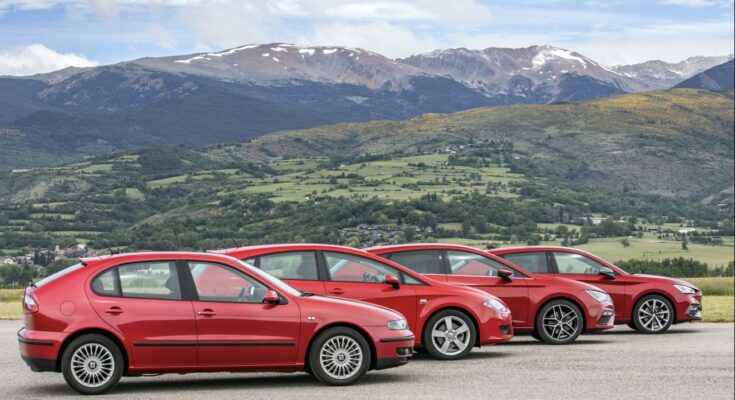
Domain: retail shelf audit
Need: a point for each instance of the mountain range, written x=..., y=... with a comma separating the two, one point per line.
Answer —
x=251, y=90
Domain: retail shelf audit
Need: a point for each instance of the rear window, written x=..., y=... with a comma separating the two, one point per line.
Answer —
x=58, y=274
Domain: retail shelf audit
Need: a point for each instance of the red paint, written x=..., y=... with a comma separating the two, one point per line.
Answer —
x=189, y=335
x=625, y=289
x=525, y=294
x=417, y=302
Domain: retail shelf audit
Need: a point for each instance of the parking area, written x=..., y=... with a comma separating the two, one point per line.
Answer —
x=691, y=361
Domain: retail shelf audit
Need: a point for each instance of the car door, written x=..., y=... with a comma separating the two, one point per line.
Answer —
x=360, y=278
x=143, y=301
x=471, y=269
x=584, y=269
x=297, y=268
x=235, y=327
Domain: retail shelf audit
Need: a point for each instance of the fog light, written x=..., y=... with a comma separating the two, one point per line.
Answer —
x=404, y=351
x=505, y=329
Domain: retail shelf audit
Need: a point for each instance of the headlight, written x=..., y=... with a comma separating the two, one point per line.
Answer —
x=397, y=325
x=496, y=305
x=685, y=289
x=599, y=295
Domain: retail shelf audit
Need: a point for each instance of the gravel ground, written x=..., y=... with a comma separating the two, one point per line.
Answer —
x=691, y=361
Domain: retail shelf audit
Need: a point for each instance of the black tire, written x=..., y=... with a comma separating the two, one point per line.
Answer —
x=321, y=373
x=660, y=306
x=109, y=364
x=535, y=335
x=466, y=337
x=560, y=334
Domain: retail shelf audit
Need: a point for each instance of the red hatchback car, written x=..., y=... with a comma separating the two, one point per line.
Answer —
x=452, y=320
x=647, y=303
x=553, y=310
x=146, y=313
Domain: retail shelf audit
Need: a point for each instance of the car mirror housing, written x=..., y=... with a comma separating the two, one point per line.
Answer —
x=272, y=297
x=505, y=274
x=393, y=281
x=607, y=272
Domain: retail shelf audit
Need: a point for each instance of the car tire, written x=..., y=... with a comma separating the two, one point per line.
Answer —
x=536, y=336
x=449, y=335
x=339, y=356
x=653, y=314
x=92, y=364
x=559, y=322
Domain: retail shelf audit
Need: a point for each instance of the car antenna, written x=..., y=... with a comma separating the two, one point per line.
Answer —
x=235, y=242
x=112, y=252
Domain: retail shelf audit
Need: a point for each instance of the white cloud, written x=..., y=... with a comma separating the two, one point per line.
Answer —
x=695, y=3
x=37, y=58
x=156, y=35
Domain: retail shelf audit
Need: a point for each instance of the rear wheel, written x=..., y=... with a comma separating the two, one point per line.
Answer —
x=559, y=322
x=449, y=335
x=339, y=356
x=653, y=314
x=92, y=364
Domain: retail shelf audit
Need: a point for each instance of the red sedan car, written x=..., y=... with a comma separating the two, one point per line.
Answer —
x=553, y=310
x=147, y=313
x=647, y=303
x=452, y=320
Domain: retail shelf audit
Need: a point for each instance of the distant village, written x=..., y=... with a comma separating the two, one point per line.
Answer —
x=38, y=260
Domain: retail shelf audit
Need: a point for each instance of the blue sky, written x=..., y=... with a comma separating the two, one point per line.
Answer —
x=41, y=35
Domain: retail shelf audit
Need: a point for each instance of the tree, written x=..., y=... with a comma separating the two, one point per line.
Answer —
x=685, y=245
x=625, y=242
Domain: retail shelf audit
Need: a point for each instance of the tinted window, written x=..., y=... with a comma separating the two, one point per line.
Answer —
x=466, y=263
x=533, y=261
x=571, y=263
x=215, y=282
x=291, y=265
x=105, y=284
x=421, y=261
x=58, y=274
x=350, y=268
x=152, y=280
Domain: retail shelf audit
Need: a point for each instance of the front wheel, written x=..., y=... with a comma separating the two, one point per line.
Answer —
x=653, y=314
x=339, y=356
x=92, y=364
x=559, y=322
x=449, y=335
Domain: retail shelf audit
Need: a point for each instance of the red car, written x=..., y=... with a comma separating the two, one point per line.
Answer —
x=553, y=310
x=451, y=320
x=647, y=303
x=152, y=313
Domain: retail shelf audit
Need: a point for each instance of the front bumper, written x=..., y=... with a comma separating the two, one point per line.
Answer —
x=494, y=327
x=393, y=348
x=689, y=308
x=601, y=316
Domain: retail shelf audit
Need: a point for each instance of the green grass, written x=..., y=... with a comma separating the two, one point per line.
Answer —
x=11, y=310
x=134, y=193
x=718, y=309
x=95, y=168
x=51, y=216
x=714, y=286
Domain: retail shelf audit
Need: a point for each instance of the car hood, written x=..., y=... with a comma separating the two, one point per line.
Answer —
x=353, y=307
x=570, y=283
x=663, y=279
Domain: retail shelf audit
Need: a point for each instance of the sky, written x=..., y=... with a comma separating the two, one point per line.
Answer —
x=45, y=35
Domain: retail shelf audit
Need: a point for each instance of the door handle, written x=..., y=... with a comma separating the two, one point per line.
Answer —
x=114, y=310
x=336, y=291
x=207, y=312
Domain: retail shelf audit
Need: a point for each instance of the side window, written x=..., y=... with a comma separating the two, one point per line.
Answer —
x=290, y=265
x=250, y=261
x=421, y=261
x=215, y=282
x=533, y=262
x=350, y=268
x=466, y=263
x=150, y=280
x=571, y=263
x=105, y=284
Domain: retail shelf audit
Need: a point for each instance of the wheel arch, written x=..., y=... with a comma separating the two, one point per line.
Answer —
x=654, y=292
x=98, y=331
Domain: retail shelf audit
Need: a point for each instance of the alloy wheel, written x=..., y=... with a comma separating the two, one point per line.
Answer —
x=92, y=365
x=341, y=357
x=654, y=315
x=560, y=322
x=450, y=335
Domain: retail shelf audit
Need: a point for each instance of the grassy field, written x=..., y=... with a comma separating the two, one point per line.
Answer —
x=715, y=286
x=718, y=308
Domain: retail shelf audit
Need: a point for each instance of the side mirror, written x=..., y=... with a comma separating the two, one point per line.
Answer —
x=505, y=274
x=393, y=281
x=607, y=272
x=272, y=297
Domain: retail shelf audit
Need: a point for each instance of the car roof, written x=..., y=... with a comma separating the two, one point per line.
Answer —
x=418, y=246
x=520, y=249
x=154, y=255
x=287, y=246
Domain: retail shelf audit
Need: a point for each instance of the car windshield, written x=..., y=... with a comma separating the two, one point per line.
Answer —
x=271, y=279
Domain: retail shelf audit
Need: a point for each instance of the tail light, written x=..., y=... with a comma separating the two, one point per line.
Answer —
x=29, y=304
